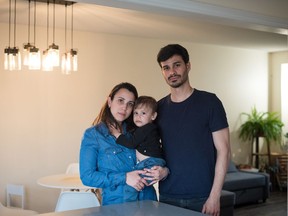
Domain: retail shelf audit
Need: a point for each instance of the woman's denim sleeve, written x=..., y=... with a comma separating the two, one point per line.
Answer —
x=89, y=163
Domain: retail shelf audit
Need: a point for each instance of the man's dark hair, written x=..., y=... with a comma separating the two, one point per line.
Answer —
x=171, y=50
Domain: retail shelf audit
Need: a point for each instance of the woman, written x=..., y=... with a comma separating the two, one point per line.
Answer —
x=105, y=164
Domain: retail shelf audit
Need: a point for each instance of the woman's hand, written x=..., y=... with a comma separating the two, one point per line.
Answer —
x=156, y=173
x=134, y=179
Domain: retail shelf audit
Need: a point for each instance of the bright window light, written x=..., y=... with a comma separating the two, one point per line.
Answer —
x=284, y=96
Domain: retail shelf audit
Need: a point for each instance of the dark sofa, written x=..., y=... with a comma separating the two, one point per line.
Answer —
x=247, y=186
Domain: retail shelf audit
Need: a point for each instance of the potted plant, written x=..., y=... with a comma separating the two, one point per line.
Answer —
x=261, y=124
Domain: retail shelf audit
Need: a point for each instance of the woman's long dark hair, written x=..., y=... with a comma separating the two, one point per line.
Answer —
x=105, y=114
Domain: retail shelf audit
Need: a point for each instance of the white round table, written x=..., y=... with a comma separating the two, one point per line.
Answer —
x=62, y=181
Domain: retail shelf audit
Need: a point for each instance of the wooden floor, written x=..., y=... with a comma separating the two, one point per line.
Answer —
x=275, y=205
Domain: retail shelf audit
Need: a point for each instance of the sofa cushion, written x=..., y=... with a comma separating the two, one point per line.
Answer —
x=232, y=167
x=227, y=201
x=242, y=180
x=227, y=198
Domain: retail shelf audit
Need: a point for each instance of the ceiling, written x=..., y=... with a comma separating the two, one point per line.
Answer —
x=257, y=24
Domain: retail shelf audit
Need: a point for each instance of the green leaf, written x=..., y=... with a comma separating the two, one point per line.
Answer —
x=261, y=124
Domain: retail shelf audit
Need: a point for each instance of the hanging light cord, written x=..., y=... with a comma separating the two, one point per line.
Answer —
x=47, y=23
x=72, y=27
x=29, y=22
x=15, y=23
x=34, y=22
x=54, y=22
x=9, y=22
x=65, y=27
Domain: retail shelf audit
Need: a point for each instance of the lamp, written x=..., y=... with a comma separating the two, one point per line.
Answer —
x=28, y=45
x=12, y=56
x=53, y=51
x=46, y=61
x=34, y=53
x=73, y=51
x=31, y=54
x=69, y=59
x=66, y=58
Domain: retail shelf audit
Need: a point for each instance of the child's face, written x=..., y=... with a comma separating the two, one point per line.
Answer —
x=143, y=115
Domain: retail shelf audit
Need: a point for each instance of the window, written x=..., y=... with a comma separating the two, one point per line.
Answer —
x=284, y=96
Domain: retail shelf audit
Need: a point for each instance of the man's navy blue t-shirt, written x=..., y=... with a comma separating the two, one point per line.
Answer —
x=186, y=132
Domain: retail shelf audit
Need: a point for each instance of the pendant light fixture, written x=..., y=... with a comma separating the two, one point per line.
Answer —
x=31, y=54
x=53, y=50
x=66, y=57
x=73, y=51
x=7, y=49
x=28, y=45
x=12, y=56
x=46, y=61
x=34, y=54
x=69, y=58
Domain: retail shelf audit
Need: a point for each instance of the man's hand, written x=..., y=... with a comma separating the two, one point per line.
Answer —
x=212, y=207
x=156, y=173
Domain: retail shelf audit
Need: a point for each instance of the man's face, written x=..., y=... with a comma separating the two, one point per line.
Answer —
x=175, y=71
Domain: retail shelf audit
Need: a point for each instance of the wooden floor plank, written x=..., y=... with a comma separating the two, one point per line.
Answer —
x=275, y=205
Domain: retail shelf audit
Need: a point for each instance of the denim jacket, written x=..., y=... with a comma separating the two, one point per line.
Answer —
x=104, y=163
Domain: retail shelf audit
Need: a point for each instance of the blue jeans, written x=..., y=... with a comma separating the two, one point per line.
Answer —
x=148, y=193
x=195, y=204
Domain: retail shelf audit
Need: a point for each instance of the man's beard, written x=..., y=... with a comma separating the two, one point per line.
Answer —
x=179, y=82
x=176, y=84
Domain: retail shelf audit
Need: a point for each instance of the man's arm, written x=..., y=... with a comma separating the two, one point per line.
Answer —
x=222, y=145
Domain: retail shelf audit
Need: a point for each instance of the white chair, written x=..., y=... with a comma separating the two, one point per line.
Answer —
x=15, y=196
x=156, y=186
x=5, y=211
x=73, y=168
x=76, y=200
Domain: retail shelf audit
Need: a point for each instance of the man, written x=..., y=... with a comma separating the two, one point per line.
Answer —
x=195, y=137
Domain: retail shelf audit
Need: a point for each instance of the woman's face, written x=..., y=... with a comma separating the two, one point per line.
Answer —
x=121, y=105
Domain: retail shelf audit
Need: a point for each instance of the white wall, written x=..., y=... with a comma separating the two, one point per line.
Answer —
x=43, y=114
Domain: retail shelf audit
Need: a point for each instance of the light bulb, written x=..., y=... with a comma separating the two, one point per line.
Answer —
x=46, y=61
x=34, y=59
x=53, y=53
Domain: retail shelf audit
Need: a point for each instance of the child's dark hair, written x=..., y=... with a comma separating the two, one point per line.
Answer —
x=146, y=101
